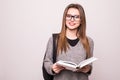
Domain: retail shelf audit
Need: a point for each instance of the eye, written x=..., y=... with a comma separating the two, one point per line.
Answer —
x=68, y=15
x=77, y=16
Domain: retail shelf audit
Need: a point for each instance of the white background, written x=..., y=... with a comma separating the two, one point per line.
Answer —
x=26, y=25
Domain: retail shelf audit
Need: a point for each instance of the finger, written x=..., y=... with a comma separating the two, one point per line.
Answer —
x=58, y=70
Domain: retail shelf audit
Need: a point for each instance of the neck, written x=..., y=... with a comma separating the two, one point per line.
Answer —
x=71, y=34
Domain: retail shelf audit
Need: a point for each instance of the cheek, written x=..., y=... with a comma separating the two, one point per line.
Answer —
x=67, y=23
x=78, y=24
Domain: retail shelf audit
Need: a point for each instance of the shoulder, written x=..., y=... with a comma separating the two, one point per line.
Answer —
x=90, y=40
x=53, y=37
x=50, y=39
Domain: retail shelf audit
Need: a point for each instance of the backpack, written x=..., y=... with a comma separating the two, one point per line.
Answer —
x=47, y=76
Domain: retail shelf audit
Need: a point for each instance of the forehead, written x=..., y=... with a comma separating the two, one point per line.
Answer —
x=73, y=11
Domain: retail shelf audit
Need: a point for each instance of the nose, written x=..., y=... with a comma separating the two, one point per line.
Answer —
x=72, y=18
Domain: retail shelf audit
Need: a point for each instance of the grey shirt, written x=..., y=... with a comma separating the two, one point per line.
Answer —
x=75, y=54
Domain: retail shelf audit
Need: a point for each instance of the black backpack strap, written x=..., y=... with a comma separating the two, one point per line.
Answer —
x=55, y=37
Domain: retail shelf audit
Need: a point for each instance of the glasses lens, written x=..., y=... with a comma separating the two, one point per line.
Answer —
x=68, y=16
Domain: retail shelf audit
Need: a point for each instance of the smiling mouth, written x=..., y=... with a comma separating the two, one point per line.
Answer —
x=71, y=23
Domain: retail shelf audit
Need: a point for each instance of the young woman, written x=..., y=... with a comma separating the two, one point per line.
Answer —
x=72, y=45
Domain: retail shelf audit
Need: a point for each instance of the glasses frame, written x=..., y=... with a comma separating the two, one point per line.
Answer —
x=74, y=17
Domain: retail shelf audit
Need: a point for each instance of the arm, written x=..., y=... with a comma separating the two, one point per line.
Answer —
x=48, y=61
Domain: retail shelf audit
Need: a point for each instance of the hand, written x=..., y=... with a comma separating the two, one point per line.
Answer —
x=57, y=68
x=85, y=69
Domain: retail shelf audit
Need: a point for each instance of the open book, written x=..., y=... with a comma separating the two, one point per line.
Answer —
x=72, y=66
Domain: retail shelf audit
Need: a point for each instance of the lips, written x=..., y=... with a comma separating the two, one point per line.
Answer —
x=71, y=23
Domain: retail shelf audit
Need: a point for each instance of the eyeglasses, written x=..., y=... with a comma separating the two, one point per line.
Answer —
x=75, y=17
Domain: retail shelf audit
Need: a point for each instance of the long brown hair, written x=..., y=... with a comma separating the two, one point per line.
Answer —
x=62, y=41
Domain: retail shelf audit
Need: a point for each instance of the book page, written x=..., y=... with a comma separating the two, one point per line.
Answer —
x=72, y=66
x=87, y=61
x=67, y=64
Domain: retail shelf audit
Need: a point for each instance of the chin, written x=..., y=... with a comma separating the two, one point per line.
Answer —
x=72, y=28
